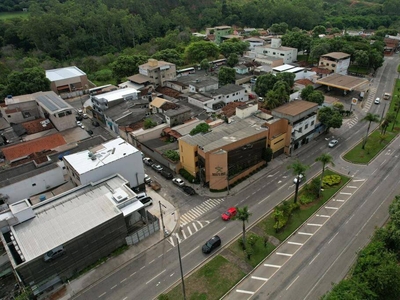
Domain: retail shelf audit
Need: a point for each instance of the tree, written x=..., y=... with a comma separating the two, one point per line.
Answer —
x=243, y=215
x=201, y=128
x=169, y=55
x=232, y=60
x=319, y=49
x=396, y=110
x=297, y=39
x=331, y=118
x=306, y=92
x=28, y=81
x=318, y=30
x=205, y=65
x=127, y=65
x=338, y=106
x=226, y=75
x=361, y=58
x=375, y=59
x=149, y=123
x=280, y=28
x=198, y=51
x=316, y=97
x=298, y=169
x=389, y=118
x=324, y=159
x=265, y=83
x=286, y=77
x=369, y=118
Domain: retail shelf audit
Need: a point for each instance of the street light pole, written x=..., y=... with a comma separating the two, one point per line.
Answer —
x=180, y=264
x=162, y=218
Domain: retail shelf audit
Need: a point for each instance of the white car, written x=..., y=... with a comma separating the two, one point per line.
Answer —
x=377, y=101
x=79, y=123
x=300, y=178
x=333, y=143
x=178, y=181
x=85, y=116
x=82, y=126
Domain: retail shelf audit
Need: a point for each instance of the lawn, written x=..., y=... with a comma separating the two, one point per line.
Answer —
x=211, y=281
x=259, y=250
x=374, y=143
x=299, y=216
x=11, y=15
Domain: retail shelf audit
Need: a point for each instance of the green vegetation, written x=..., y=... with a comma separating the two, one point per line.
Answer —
x=210, y=282
x=149, y=123
x=13, y=15
x=376, y=274
x=364, y=152
x=300, y=215
x=201, y=128
x=172, y=155
x=185, y=174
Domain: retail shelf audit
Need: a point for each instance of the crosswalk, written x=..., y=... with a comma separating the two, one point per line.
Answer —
x=353, y=121
x=199, y=210
x=368, y=102
x=186, y=231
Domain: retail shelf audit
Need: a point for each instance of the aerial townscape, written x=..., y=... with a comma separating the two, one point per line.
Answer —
x=198, y=150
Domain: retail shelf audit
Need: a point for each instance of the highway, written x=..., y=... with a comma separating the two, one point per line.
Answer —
x=155, y=270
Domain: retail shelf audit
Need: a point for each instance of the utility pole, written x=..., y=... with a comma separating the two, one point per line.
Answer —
x=162, y=217
x=227, y=181
x=180, y=264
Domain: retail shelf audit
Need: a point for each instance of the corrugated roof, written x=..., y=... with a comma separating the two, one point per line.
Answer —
x=158, y=102
x=294, y=108
x=336, y=55
x=64, y=73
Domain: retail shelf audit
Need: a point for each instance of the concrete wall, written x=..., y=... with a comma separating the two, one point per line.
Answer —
x=63, y=120
x=187, y=157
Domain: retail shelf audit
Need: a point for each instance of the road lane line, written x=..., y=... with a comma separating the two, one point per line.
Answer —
x=114, y=287
x=272, y=266
x=220, y=230
x=132, y=274
x=314, y=258
x=151, y=261
x=201, y=225
x=333, y=237
x=304, y=233
x=123, y=280
x=293, y=282
x=294, y=243
x=383, y=162
x=343, y=193
x=171, y=275
x=156, y=276
x=190, y=231
x=330, y=207
x=357, y=180
x=102, y=295
x=125, y=298
x=190, y=252
x=284, y=254
x=142, y=267
x=245, y=292
x=195, y=227
x=259, y=278
x=323, y=216
x=282, y=186
x=352, y=186
x=312, y=224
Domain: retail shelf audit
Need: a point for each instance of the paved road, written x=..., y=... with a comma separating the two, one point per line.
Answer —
x=157, y=269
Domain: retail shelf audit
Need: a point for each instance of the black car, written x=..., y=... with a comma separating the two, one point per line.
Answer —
x=211, y=244
x=95, y=123
x=90, y=132
x=189, y=190
x=166, y=174
x=79, y=118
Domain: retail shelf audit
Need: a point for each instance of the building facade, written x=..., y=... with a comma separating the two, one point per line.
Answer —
x=158, y=71
x=67, y=80
x=336, y=62
x=287, y=54
x=218, y=32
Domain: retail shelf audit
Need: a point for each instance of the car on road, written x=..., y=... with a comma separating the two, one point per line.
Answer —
x=147, y=161
x=95, y=123
x=166, y=174
x=333, y=143
x=211, y=244
x=80, y=111
x=147, y=179
x=157, y=167
x=82, y=126
x=377, y=100
x=54, y=253
x=301, y=176
x=189, y=190
x=229, y=214
x=89, y=131
x=79, y=123
x=85, y=116
x=178, y=182
x=146, y=201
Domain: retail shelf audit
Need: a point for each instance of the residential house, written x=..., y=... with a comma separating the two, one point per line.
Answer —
x=173, y=114
x=275, y=49
x=218, y=32
x=158, y=72
x=336, y=62
x=68, y=82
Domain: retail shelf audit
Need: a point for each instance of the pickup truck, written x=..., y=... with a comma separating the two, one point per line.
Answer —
x=386, y=96
x=155, y=186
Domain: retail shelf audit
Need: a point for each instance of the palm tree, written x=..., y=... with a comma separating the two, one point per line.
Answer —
x=243, y=215
x=298, y=169
x=369, y=118
x=325, y=159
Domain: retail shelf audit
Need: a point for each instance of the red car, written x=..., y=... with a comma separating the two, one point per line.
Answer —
x=229, y=214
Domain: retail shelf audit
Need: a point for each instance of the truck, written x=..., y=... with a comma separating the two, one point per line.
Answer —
x=387, y=96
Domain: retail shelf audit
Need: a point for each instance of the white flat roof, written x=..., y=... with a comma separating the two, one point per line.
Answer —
x=64, y=73
x=105, y=154
x=68, y=215
x=295, y=70
x=283, y=68
x=117, y=94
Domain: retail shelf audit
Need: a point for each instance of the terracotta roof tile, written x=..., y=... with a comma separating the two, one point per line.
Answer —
x=24, y=149
x=34, y=126
x=304, y=82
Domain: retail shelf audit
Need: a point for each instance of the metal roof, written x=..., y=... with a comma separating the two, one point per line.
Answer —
x=64, y=73
x=283, y=68
x=118, y=94
x=51, y=102
x=68, y=215
x=344, y=82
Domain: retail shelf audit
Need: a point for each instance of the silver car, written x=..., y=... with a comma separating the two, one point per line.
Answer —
x=178, y=181
x=333, y=143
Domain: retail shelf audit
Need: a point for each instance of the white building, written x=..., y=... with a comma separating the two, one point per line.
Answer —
x=300, y=72
x=215, y=100
x=275, y=49
x=337, y=62
x=113, y=157
x=254, y=42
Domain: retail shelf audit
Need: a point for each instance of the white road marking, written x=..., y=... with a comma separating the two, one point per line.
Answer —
x=352, y=186
x=272, y=266
x=259, y=278
x=323, y=216
x=292, y=282
x=190, y=252
x=114, y=287
x=313, y=259
x=171, y=275
x=190, y=231
x=102, y=295
x=313, y=224
x=201, y=225
x=284, y=254
x=142, y=267
x=304, y=233
x=135, y=272
x=195, y=227
x=333, y=238
x=220, y=230
x=294, y=243
x=330, y=207
x=156, y=276
x=343, y=193
x=245, y=292
x=151, y=261
x=357, y=180
x=123, y=280
x=338, y=200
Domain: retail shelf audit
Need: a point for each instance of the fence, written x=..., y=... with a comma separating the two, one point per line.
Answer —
x=143, y=232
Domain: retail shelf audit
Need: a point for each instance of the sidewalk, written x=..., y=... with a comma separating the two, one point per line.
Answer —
x=113, y=264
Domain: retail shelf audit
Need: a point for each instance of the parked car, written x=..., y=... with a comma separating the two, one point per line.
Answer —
x=85, y=116
x=54, y=253
x=229, y=214
x=377, y=100
x=141, y=195
x=166, y=174
x=211, y=244
x=147, y=161
x=79, y=123
x=301, y=176
x=178, y=182
x=80, y=111
x=147, y=201
x=82, y=126
x=157, y=167
x=90, y=132
x=95, y=123
x=189, y=190
x=333, y=143
x=147, y=179
x=78, y=118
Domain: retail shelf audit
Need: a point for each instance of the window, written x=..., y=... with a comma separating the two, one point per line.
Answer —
x=306, y=126
x=282, y=54
x=333, y=65
x=33, y=184
x=312, y=123
x=195, y=153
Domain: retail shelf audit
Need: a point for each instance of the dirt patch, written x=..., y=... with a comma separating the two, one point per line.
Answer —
x=241, y=264
x=57, y=295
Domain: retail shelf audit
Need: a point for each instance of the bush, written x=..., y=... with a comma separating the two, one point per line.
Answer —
x=185, y=174
x=203, y=127
x=172, y=155
x=306, y=198
x=282, y=214
x=331, y=180
x=312, y=188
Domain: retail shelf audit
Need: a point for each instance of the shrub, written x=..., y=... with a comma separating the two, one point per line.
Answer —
x=185, y=174
x=331, y=180
x=172, y=155
x=306, y=198
x=149, y=123
x=203, y=127
x=282, y=214
x=312, y=188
